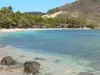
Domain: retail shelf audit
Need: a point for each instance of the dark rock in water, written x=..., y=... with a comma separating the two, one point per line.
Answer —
x=31, y=67
x=85, y=73
x=56, y=61
x=1, y=68
x=48, y=74
x=37, y=58
x=22, y=56
x=2, y=45
x=8, y=60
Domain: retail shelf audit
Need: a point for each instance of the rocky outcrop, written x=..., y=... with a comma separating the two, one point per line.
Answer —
x=8, y=60
x=31, y=67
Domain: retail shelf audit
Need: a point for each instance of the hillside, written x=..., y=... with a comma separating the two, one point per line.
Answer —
x=52, y=15
x=88, y=10
x=35, y=13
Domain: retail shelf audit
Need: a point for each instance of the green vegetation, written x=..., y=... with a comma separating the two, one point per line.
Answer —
x=10, y=19
x=92, y=26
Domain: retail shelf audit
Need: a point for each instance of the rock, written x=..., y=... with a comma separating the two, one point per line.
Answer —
x=37, y=58
x=22, y=56
x=2, y=45
x=8, y=60
x=85, y=73
x=31, y=67
x=48, y=74
x=56, y=61
x=1, y=68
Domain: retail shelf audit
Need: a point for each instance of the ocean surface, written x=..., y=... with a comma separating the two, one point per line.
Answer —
x=77, y=49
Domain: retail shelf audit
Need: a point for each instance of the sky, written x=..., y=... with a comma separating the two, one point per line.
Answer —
x=33, y=5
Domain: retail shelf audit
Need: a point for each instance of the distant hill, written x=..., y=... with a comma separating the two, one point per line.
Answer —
x=35, y=13
x=88, y=10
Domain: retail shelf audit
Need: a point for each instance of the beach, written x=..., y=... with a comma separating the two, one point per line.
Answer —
x=37, y=29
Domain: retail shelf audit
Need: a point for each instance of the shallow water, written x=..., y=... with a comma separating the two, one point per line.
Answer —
x=77, y=50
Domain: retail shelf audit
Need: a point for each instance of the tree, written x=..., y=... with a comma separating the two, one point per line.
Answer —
x=92, y=26
x=10, y=19
x=9, y=8
x=3, y=10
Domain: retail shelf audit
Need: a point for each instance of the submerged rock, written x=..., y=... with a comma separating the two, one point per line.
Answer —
x=8, y=60
x=85, y=73
x=2, y=45
x=37, y=58
x=56, y=61
x=1, y=68
x=48, y=74
x=22, y=56
x=31, y=67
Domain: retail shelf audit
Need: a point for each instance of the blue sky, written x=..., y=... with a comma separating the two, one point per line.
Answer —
x=33, y=5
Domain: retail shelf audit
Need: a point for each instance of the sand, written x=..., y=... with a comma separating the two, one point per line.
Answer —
x=34, y=29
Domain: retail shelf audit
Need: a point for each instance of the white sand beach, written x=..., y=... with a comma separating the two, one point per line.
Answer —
x=34, y=29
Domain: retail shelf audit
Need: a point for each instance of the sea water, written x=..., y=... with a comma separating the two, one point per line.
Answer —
x=67, y=52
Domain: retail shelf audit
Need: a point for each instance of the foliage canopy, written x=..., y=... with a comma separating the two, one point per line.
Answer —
x=10, y=19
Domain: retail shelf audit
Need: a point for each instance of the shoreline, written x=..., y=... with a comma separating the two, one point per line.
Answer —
x=36, y=29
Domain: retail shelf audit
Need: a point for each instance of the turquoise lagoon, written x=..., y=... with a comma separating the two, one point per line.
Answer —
x=76, y=50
